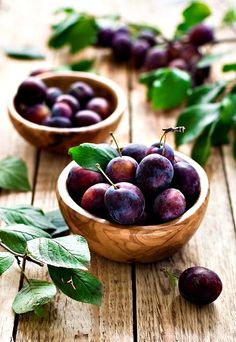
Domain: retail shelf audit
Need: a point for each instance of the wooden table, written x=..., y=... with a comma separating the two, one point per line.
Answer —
x=139, y=304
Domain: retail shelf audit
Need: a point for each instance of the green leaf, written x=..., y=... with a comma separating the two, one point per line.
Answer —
x=196, y=118
x=68, y=252
x=16, y=236
x=229, y=67
x=79, y=285
x=202, y=147
x=26, y=214
x=58, y=221
x=6, y=260
x=170, y=90
x=229, y=17
x=33, y=295
x=13, y=174
x=148, y=78
x=27, y=53
x=206, y=93
x=87, y=155
x=76, y=30
x=193, y=14
x=82, y=65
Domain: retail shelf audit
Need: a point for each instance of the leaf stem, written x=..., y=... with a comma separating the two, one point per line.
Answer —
x=21, y=269
x=12, y=252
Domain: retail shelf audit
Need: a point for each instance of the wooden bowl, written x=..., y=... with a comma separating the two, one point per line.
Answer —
x=133, y=243
x=61, y=139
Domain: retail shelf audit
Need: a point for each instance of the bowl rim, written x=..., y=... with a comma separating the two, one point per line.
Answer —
x=62, y=192
x=119, y=110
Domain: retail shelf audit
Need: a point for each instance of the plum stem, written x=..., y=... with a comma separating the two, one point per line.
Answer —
x=117, y=146
x=98, y=166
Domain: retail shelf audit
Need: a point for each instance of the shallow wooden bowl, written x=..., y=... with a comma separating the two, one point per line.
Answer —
x=61, y=139
x=133, y=243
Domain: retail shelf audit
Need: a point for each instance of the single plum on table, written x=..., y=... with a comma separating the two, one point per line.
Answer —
x=125, y=203
x=80, y=179
x=154, y=174
x=186, y=179
x=93, y=199
x=99, y=105
x=169, y=205
x=199, y=285
x=135, y=151
x=31, y=91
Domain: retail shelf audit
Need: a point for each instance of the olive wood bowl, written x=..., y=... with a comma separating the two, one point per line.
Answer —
x=61, y=139
x=133, y=243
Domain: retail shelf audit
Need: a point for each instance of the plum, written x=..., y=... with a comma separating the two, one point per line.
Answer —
x=122, y=169
x=174, y=50
x=51, y=95
x=105, y=36
x=135, y=151
x=201, y=34
x=93, y=199
x=121, y=47
x=99, y=105
x=139, y=51
x=80, y=179
x=86, y=118
x=155, y=58
x=32, y=91
x=70, y=100
x=147, y=36
x=57, y=121
x=169, y=205
x=162, y=149
x=82, y=92
x=154, y=174
x=186, y=179
x=125, y=203
x=37, y=113
x=199, y=285
x=62, y=109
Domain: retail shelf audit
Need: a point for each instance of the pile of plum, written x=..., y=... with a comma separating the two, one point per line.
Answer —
x=49, y=106
x=147, y=53
x=140, y=186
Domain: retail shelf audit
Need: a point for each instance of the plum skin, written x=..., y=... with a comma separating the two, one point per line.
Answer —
x=199, y=285
x=122, y=169
x=162, y=149
x=136, y=151
x=154, y=174
x=125, y=203
x=169, y=205
x=100, y=106
x=93, y=199
x=86, y=118
x=31, y=91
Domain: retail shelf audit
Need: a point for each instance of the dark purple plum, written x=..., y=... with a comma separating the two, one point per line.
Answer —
x=57, y=121
x=37, y=113
x=162, y=149
x=86, y=118
x=105, y=36
x=201, y=34
x=121, y=47
x=178, y=63
x=82, y=92
x=154, y=174
x=155, y=58
x=80, y=179
x=136, y=151
x=62, y=110
x=191, y=54
x=139, y=51
x=169, y=205
x=199, y=285
x=125, y=203
x=123, y=30
x=99, y=105
x=32, y=91
x=70, y=100
x=51, y=95
x=187, y=180
x=148, y=36
x=93, y=199
x=122, y=169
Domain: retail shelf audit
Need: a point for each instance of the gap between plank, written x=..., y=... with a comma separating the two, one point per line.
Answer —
x=133, y=281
